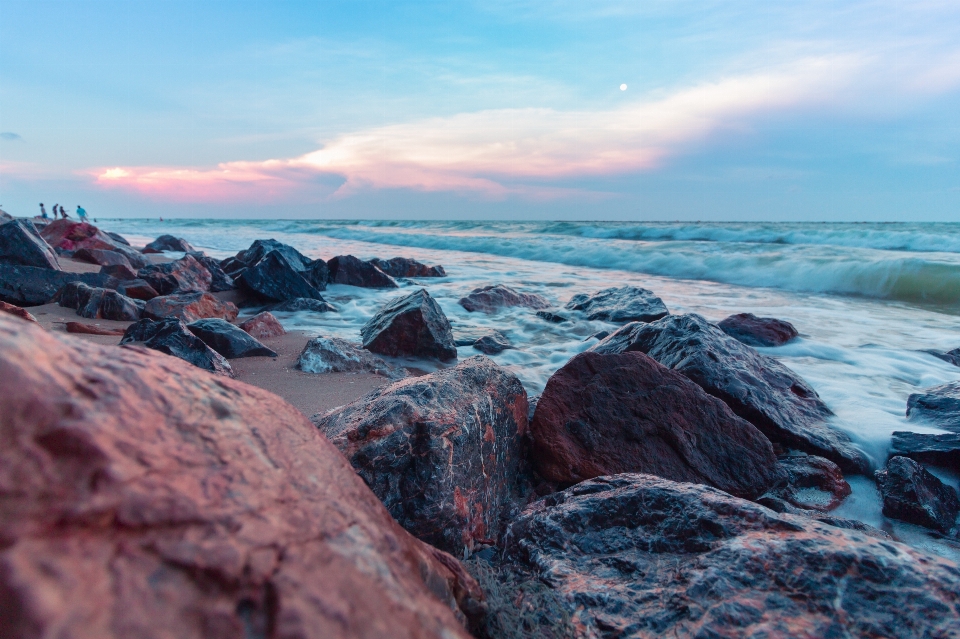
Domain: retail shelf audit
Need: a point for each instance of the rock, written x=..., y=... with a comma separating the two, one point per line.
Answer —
x=939, y=405
x=169, y=243
x=620, y=305
x=352, y=271
x=137, y=289
x=335, y=355
x=33, y=286
x=21, y=244
x=230, y=341
x=170, y=336
x=16, y=311
x=219, y=281
x=106, y=304
x=442, y=451
x=950, y=356
x=412, y=325
x=119, y=272
x=490, y=299
x=608, y=414
x=812, y=483
x=70, y=236
x=102, y=257
x=492, y=343
x=758, y=388
x=299, y=304
x=553, y=317
x=259, y=249
x=74, y=295
x=599, y=335
x=189, y=307
x=263, y=326
x=181, y=276
x=939, y=450
x=910, y=493
x=640, y=556
x=4, y=216
x=778, y=505
x=117, y=238
x=92, y=329
x=318, y=274
x=406, y=267
x=758, y=331
x=145, y=498
x=274, y=279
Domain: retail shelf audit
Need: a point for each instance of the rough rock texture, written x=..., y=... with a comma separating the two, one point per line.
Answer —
x=140, y=497
x=950, y=356
x=70, y=236
x=335, y=355
x=117, y=237
x=259, y=249
x=490, y=299
x=219, y=281
x=608, y=414
x=758, y=388
x=441, y=451
x=910, y=493
x=939, y=405
x=412, y=325
x=263, y=326
x=352, y=271
x=619, y=305
x=170, y=336
x=406, y=267
x=16, y=311
x=137, y=289
x=92, y=329
x=102, y=257
x=553, y=317
x=492, y=343
x=168, y=243
x=640, y=556
x=119, y=271
x=228, y=340
x=812, y=483
x=33, y=286
x=189, y=307
x=273, y=278
x=758, y=331
x=299, y=304
x=185, y=275
x=20, y=243
x=4, y=216
x=940, y=450
x=102, y=303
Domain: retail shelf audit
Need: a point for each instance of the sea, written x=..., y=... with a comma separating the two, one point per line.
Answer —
x=869, y=299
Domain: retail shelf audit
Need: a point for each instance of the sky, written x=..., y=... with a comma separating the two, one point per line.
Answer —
x=495, y=109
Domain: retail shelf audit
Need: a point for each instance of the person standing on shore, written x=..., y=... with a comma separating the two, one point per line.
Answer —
x=63, y=213
x=81, y=213
x=43, y=212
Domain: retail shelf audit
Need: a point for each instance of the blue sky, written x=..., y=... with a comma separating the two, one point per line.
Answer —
x=496, y=109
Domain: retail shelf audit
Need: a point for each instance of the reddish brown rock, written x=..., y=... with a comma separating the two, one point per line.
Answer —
x=758, y=331
x=119, y=272
x=137, y=289
x=263, y=325
x=16, y=311
x=141, y=497
x=189, y=307
x=608, y=414
x=71, y=236
x=811, y=483
x=412, y=325
x=490, y=299
x=181, y=276
x=91, y=329
x=442, y=451
x=102, y=257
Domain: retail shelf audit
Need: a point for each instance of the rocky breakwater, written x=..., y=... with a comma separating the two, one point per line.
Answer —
x=141, y=497
x=67, y=237
x=443, y=451
x=412, y=325
x=756, y=387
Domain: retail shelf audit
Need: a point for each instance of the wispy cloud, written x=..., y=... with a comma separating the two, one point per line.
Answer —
x=10, y=136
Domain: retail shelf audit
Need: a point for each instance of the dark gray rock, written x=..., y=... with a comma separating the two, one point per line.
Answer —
x=553, y=317
x=102, y=257
x=492, y=343
x=219, y=280
x=137, y=289
x=298, y=304
x=758, y=388
x=117, y=237
x=620, y=305
x=335, y=355
x=21, y=244
x=910, y=493
x=352, y=271
x=259, y=249
x=171, y=336
x=950, y=356
x=811, y=483
x=490, y=299
x=412, y=325
x=640, y=556
x=110, y=305
x=318, y=274
x=33, y=286
x=185, y=275
x=273, y=278
x=758, y=331
x=233, y=267
x=119, y=272
x=939, y=450
x=230, y=341
x=939, y=405
x=407, y=267
x=168, y=243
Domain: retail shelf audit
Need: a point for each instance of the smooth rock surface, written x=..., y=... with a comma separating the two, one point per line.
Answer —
x=407, y=267
x=620, y=305
x=758, y=388
x=442, y=451
x=912, y=494
x=168, y=243
x=33, y=286
x=228, y=340
x=939, y=450
x=274, y=279
x=170, y=336
x=298, y=304
x=21, y=244
x=140, y=497
x=263, y=326
x=812, y=483
x=352, y=271
x=413, y=325
x=609, y=414
x=335, y=355
x=640, y=556
x=185, y=275
x=490, y=299
x=189, y=307
x=938, y=405
x=758, y=331
x=16, y=311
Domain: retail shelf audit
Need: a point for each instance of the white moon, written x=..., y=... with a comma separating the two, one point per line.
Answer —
x=623, y=87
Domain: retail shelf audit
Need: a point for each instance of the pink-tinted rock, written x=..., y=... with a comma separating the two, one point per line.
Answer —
x=141, y=497
x=758, y=331
x=91, y=329
x=102, y=257
x=68, y=235
x=412, y=325
x=812, y=483
x=16, y=311
x=189, y=307
x=263, y=325
x=137, y=289
x=181, y=276
x=489, y=299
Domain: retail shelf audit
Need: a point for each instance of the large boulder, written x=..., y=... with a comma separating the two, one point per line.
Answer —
x=939, y=405
x=335, y=355
x=758, y=331
x=263, y=326
x=758, y=388
x=168, y=243
x=70, y=236
x=33, y=286
x=412, y=325
x=940, y=450
x=811, y=483
x=170, y=336
x=230, y=341
x=490, y=299
x=299, y=304
x=407, y=267
x=640, y=556
x=620, y=305
x=274, y=279
x=141, y=497
x=102, y=257
x=189, y=307
x=219, y=280
x=21, y=244
x=259, y=249
x=442, y=451
x=912, y=494
x=185, y=275
x=618, y=413
x=352, y=271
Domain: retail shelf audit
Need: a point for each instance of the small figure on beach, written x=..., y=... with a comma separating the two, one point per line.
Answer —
x=43, y=212
x=81, y=213
x=63, y=213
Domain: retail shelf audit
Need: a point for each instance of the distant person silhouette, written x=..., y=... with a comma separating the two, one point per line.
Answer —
x=43, y=212
x=81, y=213
x=63, y=213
